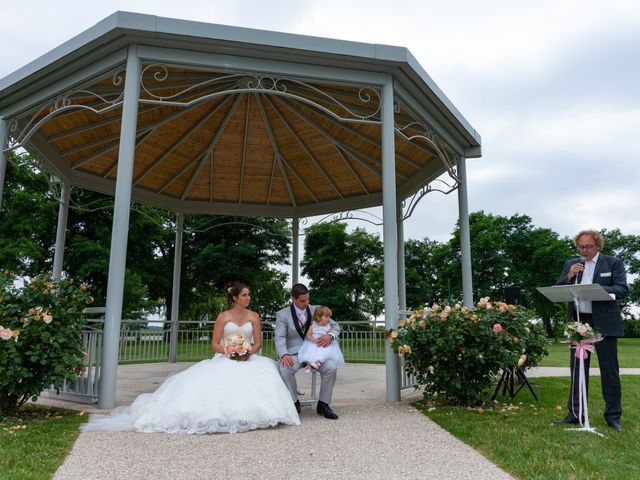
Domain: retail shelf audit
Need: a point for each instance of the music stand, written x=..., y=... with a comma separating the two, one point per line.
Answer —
x=576, y=293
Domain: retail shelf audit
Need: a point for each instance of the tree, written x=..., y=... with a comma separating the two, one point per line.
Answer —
x=505, y=251
x=216, y=250
x=345, y=270
x=627, y=248
x=425, y=262
x=219, y=250
x=149, y=268
x=27, y=219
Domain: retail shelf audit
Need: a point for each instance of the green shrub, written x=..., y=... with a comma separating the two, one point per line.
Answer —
x=40, y=328
x=631, y=327
x=456, y=353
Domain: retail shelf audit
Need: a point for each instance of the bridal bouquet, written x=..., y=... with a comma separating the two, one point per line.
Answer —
x=237, y=347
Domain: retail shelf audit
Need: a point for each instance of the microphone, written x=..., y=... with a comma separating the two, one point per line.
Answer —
x=579, y=276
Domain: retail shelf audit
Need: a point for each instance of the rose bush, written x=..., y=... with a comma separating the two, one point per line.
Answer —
x=456, y=353
x=40, y=345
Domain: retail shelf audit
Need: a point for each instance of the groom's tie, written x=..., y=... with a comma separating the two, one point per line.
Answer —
x=302, y=318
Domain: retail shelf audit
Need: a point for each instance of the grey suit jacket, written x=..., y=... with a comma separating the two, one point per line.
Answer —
x=609, y=273
x=287, y=338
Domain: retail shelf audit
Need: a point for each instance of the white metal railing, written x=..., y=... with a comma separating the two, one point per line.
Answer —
x=359, y=342
x=406, y=380
x=87, y=382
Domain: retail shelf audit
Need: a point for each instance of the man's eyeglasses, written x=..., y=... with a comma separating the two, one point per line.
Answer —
x=585, y=247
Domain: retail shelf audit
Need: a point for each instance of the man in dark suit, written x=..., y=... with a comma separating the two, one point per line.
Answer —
x=292, y=324
x=603, y=316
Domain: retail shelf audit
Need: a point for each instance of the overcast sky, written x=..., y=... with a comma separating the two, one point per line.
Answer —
x=553, y=87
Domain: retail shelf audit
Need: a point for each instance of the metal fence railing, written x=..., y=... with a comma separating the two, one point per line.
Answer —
x=85, y=389
x=359, y=342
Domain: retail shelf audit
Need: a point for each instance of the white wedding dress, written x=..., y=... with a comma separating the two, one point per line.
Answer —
x=216, y=395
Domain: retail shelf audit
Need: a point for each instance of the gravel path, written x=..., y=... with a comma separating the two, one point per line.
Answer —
x=389, y=441
x=372, y=440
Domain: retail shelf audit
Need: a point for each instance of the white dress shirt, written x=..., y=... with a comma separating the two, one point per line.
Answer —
x=587, y=278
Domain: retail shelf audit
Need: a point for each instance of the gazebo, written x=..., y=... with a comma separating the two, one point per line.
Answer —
x=204, y=118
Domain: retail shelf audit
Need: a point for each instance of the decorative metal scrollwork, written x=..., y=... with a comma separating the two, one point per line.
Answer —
x=77, y=99
x=409, y=204
x=446, y=156
x=368, y=97
x=350, y=215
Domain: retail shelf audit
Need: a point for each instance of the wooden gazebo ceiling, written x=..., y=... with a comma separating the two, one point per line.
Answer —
x=234, y=120
x=216, y=138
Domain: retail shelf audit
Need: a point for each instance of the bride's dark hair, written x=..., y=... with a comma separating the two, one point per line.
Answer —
x=234, y=289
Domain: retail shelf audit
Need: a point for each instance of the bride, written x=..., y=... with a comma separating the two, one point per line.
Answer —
x=215, y=395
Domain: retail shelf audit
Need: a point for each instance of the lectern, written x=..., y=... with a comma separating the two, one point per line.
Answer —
x=576, y=293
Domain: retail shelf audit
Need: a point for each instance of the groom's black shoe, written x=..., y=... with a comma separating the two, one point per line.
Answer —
x=325, y=410
x=298, y=407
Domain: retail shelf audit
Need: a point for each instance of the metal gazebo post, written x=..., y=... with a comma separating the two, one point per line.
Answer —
x=295, y=250
x=120, y=232
x=61, y=230
x=4, y=155
x=465, y=242
x=390, y=237
x=175, y=288
x=402, y=287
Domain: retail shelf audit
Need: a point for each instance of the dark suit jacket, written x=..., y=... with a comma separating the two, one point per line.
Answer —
x=609, y=273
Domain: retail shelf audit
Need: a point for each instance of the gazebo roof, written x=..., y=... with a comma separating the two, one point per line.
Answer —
x=234, y=120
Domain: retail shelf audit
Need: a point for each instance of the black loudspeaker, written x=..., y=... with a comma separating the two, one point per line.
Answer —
x=513, y=295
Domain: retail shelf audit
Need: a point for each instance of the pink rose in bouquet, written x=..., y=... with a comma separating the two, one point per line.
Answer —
x=577, y=331
x=581, y=337
x=236, y=347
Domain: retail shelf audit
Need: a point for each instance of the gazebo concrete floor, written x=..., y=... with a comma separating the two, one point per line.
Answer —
x=357, y=383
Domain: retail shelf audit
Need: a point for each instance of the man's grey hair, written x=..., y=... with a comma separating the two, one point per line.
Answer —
x=597, y=237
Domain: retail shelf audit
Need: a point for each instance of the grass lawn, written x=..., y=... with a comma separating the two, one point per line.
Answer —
x=521, y=438
x=35, y=443
x=628, y=354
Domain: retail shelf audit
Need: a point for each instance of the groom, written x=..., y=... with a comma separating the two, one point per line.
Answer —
x=292, y=324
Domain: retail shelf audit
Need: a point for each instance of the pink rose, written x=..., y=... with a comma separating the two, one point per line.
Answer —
x=581, y=329
x=6, y=334
x=497, y=328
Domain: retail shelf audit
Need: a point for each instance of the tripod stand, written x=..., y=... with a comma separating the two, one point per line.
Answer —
x=507, y=382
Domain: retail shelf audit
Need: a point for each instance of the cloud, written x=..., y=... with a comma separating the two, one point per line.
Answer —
x=551, y=85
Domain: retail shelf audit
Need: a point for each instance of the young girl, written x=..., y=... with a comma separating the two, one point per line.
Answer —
x=313, y=354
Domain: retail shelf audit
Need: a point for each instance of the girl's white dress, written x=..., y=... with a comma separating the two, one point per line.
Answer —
x=311, y=352
x=215, y=395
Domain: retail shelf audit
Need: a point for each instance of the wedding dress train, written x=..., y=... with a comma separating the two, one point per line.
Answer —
x=215, y=395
